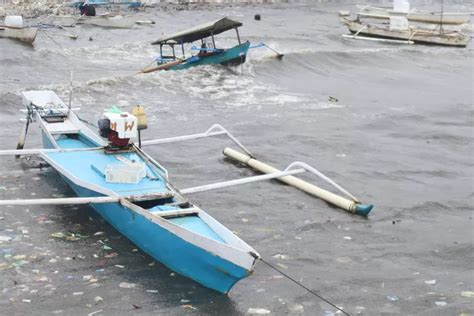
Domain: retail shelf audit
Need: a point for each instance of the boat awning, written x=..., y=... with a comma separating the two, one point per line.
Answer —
x=199, y=32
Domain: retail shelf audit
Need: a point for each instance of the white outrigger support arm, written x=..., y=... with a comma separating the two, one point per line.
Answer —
x=39, y=151
x=62, y=201
x=231, y=183
x=82, y=200
x=214, y=130
x=290, y=170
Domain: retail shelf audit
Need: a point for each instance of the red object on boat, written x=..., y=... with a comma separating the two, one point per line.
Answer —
x=116, y=141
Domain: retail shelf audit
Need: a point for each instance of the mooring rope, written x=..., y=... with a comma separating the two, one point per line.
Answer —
x=87, y=122
x=303, y=286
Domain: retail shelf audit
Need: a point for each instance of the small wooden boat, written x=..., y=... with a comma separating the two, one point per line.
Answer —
x=207, y=54
x=414, y=15
x=132, y=191
x=110, y=20
x=416, y=35
x=24, y=34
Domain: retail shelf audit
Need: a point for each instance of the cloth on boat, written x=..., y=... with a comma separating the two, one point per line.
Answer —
x=86, y=9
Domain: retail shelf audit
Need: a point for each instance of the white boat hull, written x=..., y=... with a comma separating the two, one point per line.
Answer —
x=117, y=21
x=26, y=34
x=412, y=34
x=418, y=16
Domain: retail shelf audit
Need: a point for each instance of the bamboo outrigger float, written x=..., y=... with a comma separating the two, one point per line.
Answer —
x=133, y=193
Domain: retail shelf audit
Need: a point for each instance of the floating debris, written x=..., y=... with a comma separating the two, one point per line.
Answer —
x=441, y=303
x=392, y=298
x=280, y=256
x=296, y=308
x=77, y=293
x=469, y=294
x=26, y=301
x=119, y=266
x=281, y=265
x=125, y=285
x=359, y=309
x=68, y=236
x=344, y=259
x=5, y=238
x=98, y=300
x=19, y=257
x=188, y=306
x=431, y=282
x=152, y=291
x=347, y=237
x=258, y=311
x=96, y=312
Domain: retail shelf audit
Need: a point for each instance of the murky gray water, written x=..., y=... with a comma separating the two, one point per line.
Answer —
x=400, y=136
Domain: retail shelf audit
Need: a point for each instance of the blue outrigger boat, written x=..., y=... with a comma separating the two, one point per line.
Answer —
x=151, y=212
x=206, y=54
x=132, y=191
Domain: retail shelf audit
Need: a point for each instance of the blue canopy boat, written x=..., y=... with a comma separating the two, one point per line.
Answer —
x=206, y=54
x=132, y=191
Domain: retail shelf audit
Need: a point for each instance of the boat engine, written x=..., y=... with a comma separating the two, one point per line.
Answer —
x=118, y=127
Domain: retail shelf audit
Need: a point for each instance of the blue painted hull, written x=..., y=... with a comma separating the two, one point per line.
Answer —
x=232, y=56
x=167, y=248
x=158, y=241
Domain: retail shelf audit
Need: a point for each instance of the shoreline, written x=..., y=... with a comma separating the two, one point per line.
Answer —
x=33, y=8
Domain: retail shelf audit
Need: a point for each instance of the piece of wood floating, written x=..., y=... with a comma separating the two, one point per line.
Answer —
x=350, y=206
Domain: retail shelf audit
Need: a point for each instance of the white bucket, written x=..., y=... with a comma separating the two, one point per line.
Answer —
x=14, y=21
